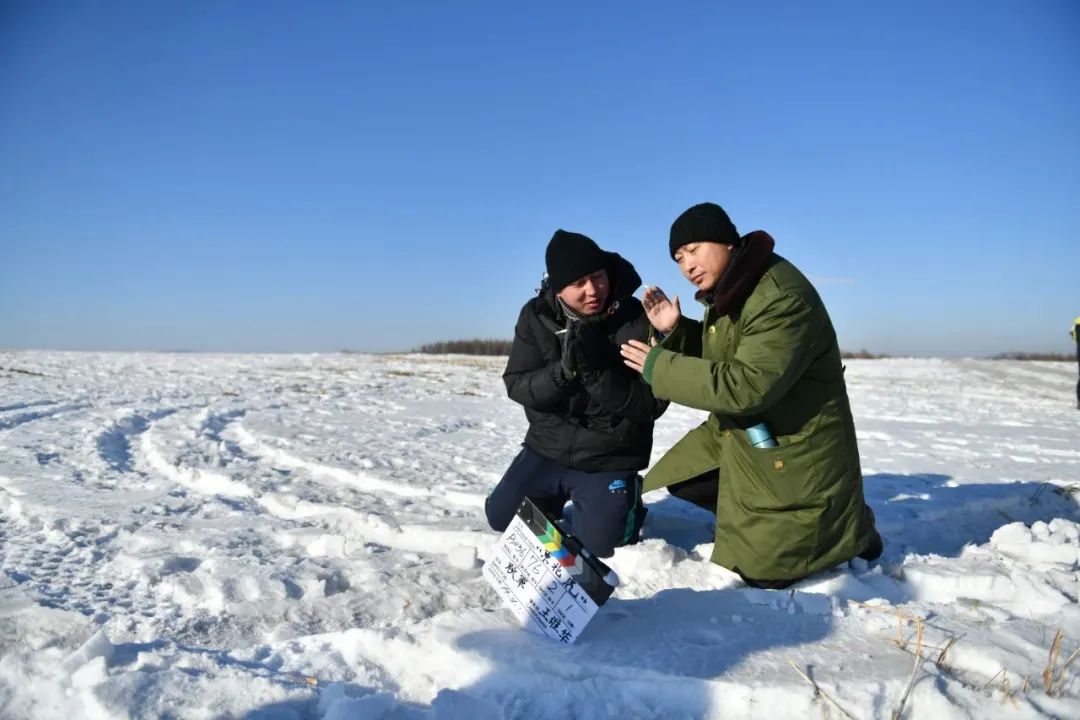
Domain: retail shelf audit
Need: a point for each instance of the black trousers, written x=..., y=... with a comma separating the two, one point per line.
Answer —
x=702, y=491
x=607, y=513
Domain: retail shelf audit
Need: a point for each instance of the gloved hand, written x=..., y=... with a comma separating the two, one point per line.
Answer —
x=567, y=359
x=589, y=349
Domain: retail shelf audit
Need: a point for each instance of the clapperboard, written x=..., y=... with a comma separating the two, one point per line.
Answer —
x=551, y=585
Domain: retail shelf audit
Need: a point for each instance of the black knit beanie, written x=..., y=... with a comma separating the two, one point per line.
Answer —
x=571, y=256
x=706, y=222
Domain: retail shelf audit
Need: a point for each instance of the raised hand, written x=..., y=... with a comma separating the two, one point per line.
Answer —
x=663, y=314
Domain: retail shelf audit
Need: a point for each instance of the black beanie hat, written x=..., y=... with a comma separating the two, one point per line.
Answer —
x=571, y=256
x=706, y=222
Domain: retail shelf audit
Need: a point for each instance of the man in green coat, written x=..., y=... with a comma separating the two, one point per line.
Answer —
x=788, y=494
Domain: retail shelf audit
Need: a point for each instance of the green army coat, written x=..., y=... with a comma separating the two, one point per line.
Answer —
x=786, y=512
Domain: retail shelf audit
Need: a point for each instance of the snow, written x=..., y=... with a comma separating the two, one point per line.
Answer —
x=301, y=536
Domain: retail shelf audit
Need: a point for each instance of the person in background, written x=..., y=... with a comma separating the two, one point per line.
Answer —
x=777, y=460
x=1075, y=333
x=590, y=417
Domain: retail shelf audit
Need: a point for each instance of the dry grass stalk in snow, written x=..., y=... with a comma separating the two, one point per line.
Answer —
x=898, y=713
x=1048, y=671
x=992, y=679
x=940, y=662
x=1053, y=676
x=818, y=691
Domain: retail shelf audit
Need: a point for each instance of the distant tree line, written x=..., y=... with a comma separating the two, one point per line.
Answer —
x=1033, y=356
x=467, y=347
x=863, y=354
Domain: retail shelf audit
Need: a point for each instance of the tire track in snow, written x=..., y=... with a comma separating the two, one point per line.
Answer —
x=114, y=444
x=26, y=405
x=203, y=482
x=352, y=525
x=361, y=481
x=24, y=418
x=214, y=426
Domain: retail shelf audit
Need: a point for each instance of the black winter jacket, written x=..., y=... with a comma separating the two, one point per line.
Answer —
x=599, y=424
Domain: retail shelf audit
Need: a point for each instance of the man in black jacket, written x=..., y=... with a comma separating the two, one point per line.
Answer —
x=590, y=417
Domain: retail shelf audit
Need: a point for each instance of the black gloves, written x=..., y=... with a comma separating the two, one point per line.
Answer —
x=585, y=350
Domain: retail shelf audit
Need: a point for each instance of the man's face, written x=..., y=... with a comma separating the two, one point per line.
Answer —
x=702, y=263
x=587, y=295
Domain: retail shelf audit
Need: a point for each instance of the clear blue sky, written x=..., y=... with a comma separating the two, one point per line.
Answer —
x=258, y=176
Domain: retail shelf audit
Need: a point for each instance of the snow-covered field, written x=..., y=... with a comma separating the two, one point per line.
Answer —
x=205, y=536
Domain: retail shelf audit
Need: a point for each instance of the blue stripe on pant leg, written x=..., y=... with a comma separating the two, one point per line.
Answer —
x=631, y=517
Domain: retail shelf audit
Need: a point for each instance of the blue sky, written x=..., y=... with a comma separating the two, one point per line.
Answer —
x=318, y=176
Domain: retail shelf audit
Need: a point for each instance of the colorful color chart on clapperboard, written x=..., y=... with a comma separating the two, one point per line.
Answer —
x=550, y=590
